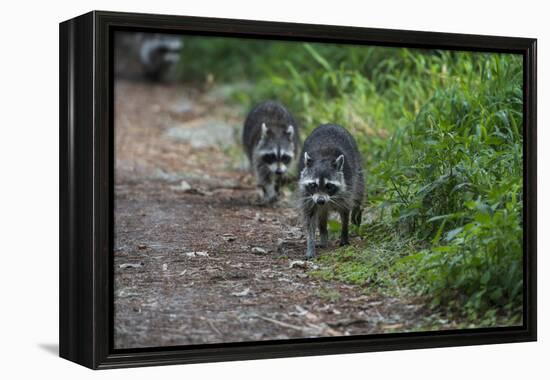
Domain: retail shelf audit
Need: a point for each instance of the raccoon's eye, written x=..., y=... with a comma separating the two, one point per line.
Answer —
x=331, y=188
x=311, y=187
x=285, y=159
x=269, y=158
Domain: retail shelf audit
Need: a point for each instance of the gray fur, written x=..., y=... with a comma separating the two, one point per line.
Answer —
x=271, y=141
x=152, y=56
x=331, y=179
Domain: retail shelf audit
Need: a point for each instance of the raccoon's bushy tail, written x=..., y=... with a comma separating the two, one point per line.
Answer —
x=356, y=216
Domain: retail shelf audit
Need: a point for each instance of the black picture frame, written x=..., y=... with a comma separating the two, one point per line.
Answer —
x=87, y=188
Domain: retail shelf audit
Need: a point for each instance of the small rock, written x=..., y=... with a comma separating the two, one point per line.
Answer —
x=131, y=265
x=303, y=264
x=259, y=218
x=311, y=265
x=164, y=266
x=258, y=251
x=229, y=237
x=196, y=253
x=184, y=186
x=298, y=264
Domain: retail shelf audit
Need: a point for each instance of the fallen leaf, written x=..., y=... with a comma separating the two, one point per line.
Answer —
x=131, y=265
x=196, y=253
x=258, y=251
x=299, y=312
x=244, y=293
x=298, y=264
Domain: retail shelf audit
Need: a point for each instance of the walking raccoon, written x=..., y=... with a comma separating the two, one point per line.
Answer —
x=331, y=179
x=270, y=140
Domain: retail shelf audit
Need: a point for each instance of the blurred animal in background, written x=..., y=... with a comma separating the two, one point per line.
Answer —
x=331, y=179
x=150, y=56
x=271, y=142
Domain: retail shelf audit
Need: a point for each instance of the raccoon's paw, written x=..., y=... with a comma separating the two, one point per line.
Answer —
x=269, y=200
x=264, y=201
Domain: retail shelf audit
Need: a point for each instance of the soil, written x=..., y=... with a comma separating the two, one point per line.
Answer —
x=197, y=259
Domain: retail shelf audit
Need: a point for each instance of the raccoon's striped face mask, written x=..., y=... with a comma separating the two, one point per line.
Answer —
x=277, y=150
x=277, y=161
x=322, y=180
x=271, y=158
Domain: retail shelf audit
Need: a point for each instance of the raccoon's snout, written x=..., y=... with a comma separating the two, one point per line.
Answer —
x=320, y=199
x=278, y=168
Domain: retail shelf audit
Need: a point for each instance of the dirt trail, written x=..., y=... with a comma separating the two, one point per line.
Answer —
x=196, y=259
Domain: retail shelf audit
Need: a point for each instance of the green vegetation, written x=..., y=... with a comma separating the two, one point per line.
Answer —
x=441, y=135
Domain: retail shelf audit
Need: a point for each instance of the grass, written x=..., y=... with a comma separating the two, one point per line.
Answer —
x=371, y=262
x=441, y=137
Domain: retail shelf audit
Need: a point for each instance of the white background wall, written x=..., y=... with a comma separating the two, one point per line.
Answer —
x=29, y=187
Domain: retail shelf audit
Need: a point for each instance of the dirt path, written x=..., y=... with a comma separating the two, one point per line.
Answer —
x=196, y=260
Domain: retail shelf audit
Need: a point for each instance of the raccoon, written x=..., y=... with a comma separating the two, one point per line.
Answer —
x=151, y=56
x=331, y=179
x=158, y=54
x=271, y=141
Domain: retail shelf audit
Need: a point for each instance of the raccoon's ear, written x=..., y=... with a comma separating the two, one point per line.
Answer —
x=339, y=162
x=307, y=159
x=264, y=130
x=290, y=131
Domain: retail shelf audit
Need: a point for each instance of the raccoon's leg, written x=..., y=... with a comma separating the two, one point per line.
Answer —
x=323, y=232
x=267, y=183
x=279, y=182
x=356, y=216
x=344, y=216
x=310, y=222
x=270, y=193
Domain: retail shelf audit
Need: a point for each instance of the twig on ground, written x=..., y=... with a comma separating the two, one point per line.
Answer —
x=213, y=327
x=283, y=324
